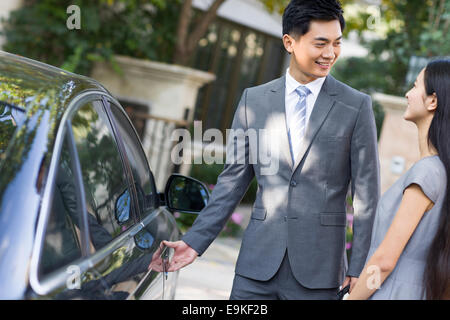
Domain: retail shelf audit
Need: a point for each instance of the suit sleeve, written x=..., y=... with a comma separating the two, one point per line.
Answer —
x=365, y=182
x=230, y=188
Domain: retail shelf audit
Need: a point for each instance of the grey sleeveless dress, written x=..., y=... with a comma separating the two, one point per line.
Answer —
x=405, y=282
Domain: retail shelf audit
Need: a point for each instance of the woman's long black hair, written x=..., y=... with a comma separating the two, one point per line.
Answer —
x=437, y=270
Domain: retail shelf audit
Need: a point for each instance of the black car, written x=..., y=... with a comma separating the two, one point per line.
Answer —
x=80, y=216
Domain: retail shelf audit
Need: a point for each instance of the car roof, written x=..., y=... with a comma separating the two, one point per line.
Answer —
x=43, y=93
x=24, y=81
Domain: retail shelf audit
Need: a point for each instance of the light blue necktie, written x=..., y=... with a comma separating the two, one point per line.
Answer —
x=298, y=122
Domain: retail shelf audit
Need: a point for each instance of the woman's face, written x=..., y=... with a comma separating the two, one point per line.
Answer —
x=420, y=105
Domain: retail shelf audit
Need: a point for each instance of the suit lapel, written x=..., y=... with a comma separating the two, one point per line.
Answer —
x=276, y=99
x=321, y=108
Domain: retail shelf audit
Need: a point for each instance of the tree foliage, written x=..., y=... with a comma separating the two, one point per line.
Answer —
x=406, y=28
x=150, y=29
x=138, y=28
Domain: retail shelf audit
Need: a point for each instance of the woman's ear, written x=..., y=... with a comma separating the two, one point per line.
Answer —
x=432, y=102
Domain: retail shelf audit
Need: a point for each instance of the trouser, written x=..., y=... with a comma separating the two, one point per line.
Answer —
x=282, y=286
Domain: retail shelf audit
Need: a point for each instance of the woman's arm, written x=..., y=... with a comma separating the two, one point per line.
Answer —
x=412, y=208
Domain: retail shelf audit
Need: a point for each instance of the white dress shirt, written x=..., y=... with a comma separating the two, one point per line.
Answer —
x=291, y=97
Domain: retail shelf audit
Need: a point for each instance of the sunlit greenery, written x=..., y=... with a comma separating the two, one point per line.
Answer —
x=147, y=29
x=138, y=28
x=404, y=29
x=7, y=127
x=28, y=88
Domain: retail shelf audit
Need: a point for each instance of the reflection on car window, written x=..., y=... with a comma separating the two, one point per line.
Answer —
x=138, y=162
x=103, y=175
x=62, y=240
x=10, y=118
x=123, y=207
x=185, y=194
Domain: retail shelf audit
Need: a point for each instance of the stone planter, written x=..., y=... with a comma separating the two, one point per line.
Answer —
x=169, y=93
x=170, y=90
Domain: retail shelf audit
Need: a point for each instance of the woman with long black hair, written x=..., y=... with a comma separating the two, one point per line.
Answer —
x=409, y=257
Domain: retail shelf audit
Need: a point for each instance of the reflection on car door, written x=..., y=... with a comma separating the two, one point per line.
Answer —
x=76, y=232
x=120, y=264
x=110, y=243
x=162, y=224
x=61, y=272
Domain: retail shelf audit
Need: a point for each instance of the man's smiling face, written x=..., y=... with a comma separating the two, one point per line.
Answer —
x=315, y=52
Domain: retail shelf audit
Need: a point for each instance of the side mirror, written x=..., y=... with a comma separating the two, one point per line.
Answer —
x=185, y=194
x=122, y=207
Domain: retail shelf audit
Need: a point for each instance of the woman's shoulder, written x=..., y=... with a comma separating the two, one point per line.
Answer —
x=431, y=165
x=430, y=174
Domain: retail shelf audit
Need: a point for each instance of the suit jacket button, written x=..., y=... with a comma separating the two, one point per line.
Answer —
x=293, y=183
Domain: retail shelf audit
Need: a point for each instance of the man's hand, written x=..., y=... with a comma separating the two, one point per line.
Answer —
x=183, y=256
x=157, y=262
x=350, y=280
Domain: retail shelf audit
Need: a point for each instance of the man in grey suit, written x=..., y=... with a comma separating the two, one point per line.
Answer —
x=294, y=245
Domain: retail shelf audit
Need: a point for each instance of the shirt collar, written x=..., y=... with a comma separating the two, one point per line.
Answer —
x=313, y=86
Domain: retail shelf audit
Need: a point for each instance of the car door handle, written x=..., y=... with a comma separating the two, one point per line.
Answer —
x=135, y=230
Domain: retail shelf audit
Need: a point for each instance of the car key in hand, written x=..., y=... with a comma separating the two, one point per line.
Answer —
x=165, y=260
x=165, y=266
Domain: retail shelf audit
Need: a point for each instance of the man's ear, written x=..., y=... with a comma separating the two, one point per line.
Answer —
x=288, y=43
x=432, y=102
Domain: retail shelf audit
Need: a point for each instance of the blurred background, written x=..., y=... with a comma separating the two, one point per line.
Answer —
x=171, y=62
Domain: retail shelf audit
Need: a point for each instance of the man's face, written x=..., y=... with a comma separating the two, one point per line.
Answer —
x=314, y=53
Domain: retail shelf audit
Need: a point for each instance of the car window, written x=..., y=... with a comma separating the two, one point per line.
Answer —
x=143, y=178
x=62, y=241
x=108, y=199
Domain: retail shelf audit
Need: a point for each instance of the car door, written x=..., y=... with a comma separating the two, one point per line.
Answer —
x=155, y=220
x=62, y=270
x=91, y=221
x=97, y=247
x=121, y=262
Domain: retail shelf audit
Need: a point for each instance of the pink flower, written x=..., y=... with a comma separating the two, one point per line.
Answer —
x=177, y=214
x=348, y=245
x=350, y=219
x=211, y=186
x=236, y=218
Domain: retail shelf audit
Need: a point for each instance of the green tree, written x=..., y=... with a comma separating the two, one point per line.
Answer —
x=166, y=31
x=138, y=28
x=412, y=28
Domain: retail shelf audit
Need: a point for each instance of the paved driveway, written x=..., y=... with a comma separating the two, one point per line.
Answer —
x=210, y=276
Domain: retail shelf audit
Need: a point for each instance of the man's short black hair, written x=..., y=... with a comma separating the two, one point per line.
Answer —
x=299, y=13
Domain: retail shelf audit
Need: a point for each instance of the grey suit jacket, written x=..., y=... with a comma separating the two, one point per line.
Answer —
x=301, y=207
